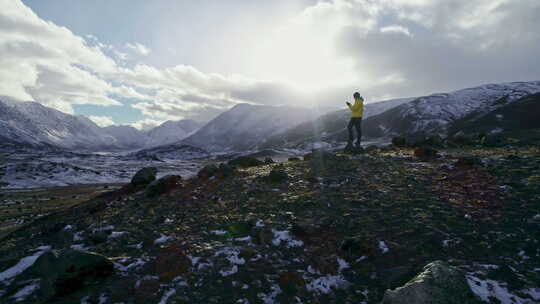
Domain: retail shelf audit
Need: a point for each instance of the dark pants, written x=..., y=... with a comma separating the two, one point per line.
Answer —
x=355, y=122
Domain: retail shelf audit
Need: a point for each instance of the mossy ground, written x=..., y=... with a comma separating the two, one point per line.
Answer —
x=385, y=214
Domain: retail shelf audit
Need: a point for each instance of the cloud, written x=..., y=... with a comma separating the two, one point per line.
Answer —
x=102, y=121
x=138, y=49
x=146, y=124
x=386, y=48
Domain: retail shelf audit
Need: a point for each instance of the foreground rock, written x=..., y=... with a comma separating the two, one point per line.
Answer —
x=245, y=162
x=439, y=283
x=144, y=176
x=162, y=185
x=57, y=274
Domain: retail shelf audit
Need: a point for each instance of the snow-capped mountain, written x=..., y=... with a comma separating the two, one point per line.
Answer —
x=170, y=132
x=245, y=126
x=34, y=124
x=126, y=136
x=326, y=125
x=437, y=113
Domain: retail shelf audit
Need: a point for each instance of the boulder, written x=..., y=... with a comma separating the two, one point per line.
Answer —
x=221, y=171
x=425, y=152
x=172, y=262
x=208, y=171
x=268, y=161
x=399, y=141
x=276, y=176
x=64, y=273
x=245, y=162
x=144, y=176
x=162, y=185
x=438, y=283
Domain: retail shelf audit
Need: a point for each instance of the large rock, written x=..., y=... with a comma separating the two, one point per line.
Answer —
x=162, y=185
x=245, y=162
x=63, y=273
x=144, y=176
x=439, y=283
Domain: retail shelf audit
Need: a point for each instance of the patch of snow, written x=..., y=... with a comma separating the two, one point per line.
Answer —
x=232, y=256
x=383, y=247
x=244, y=239
x=285, y=237
x=77, y=237
x=486, y=289
x=226, y=273
x=218, y=232
x=85, y=300
x=167, y=295
x=326, y=283
x=342, y=264
x=43, y=248
x=105, y=228
x=26, y=291
x=23, y=264
x=270, y=297
x=78, y=247
x=162, y=239
x=360, y=259
x=168, y=221
x=259, y=223
x=116, y=234
x=68, y=227
x=137, y=246
x=102, y=298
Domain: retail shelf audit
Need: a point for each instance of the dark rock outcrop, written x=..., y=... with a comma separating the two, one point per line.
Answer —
x=439, y=283
x=144, y=176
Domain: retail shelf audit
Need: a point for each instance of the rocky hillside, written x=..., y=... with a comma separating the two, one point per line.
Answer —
x=331, y=228
x=443, y=113
x=246, y=126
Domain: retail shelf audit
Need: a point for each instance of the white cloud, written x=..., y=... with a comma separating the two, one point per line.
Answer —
x=102, y=121
x=147, y=124
x=138, y=49
x=327, y=51
x=396, y=29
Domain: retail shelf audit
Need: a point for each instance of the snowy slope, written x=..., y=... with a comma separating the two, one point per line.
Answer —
x=126, y=136
x=33, y=123
x=170, y=132
x=30, y=124
x=245, y=126
x=435, y=114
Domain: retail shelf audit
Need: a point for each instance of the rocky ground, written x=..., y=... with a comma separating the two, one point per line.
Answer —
x=329, y=228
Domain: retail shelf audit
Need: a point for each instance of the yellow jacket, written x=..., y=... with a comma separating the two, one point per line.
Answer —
x=357, y=109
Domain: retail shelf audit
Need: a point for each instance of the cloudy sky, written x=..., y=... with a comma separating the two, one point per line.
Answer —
x=143, y=62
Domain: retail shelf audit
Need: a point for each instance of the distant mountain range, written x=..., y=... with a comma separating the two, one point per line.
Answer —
x=487, y=108
x=483, y=109
x=30, y=124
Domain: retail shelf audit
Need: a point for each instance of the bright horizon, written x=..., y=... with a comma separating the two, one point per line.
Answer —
x=141, y=63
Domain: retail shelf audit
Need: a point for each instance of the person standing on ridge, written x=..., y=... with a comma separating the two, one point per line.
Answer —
x=357, y=111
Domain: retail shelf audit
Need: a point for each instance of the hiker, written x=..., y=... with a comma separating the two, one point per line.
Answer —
x=357, y=110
